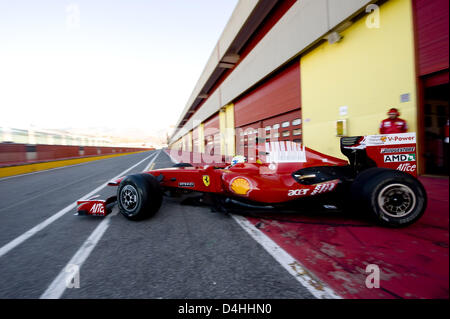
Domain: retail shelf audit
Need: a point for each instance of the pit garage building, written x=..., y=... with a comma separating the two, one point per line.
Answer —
x=310, y=71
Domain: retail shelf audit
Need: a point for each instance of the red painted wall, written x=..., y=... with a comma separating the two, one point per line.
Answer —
x=212, y=125
x=16, y=154
x=212, y=135
x=280, y=119
x=10, y=153
x=246, y=135
x=431, y=25
x=279, y=94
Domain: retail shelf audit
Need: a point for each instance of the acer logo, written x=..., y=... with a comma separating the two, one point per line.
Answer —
x=97, y=209
x=407, y=167
x=298, y=192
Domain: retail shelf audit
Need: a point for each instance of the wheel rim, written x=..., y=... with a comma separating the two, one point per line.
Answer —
x=397, y=200
x=129, y=198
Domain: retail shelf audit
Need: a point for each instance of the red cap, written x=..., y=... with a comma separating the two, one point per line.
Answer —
x=394, y=111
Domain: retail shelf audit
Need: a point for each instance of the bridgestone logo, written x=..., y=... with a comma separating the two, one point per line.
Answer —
x=398, y=150
x=399, y=158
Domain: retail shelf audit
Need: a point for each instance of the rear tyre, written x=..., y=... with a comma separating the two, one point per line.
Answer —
x=139, y=196
x=393, y=198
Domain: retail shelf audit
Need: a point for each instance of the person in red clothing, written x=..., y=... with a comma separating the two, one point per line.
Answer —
x=393, y=124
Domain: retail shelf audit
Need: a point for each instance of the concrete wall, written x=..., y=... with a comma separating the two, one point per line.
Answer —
x=238, y=18
x=305, y=23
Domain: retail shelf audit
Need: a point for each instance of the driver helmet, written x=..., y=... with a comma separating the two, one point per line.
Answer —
x=238, y=159
x=393, y=111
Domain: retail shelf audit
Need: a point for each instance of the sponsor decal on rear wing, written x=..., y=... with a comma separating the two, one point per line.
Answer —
x=390, y=139
x=395, y=151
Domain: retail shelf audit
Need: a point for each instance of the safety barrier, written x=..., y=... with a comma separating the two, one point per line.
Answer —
x=20, y=154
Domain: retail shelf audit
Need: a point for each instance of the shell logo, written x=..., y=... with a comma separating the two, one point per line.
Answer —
x=240, y=186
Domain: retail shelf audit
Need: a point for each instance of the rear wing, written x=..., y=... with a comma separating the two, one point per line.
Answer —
x=395, y=151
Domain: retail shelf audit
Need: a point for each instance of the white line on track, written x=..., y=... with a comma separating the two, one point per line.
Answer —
x=303, y=276
x=59, y=284
x=152, y=162
x=20, y=239
x=317, y=288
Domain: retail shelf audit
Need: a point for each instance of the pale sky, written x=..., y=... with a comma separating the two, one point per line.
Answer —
x=103, y=63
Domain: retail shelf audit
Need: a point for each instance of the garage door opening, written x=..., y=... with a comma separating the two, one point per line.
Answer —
x=436, y=117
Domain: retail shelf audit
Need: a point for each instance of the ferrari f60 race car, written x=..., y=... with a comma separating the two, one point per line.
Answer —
x=379, y=178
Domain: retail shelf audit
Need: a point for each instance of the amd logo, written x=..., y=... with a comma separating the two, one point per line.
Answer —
x=399, y=158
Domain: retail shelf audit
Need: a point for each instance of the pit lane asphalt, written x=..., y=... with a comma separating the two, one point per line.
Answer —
x=181, y=252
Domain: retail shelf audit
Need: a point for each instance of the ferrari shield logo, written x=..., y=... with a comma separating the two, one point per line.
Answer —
x=206, y=180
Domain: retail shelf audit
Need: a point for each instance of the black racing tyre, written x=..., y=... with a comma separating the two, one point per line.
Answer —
x=393, y=198
x=182, y=165
x=139, y=196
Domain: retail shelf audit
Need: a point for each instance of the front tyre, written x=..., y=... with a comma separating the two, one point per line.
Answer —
x=393, y=198
x=139, y=196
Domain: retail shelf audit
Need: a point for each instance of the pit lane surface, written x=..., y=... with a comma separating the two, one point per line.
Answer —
x=182, y=252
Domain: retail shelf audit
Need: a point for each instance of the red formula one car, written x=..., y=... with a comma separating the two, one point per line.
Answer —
x=378, y=179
